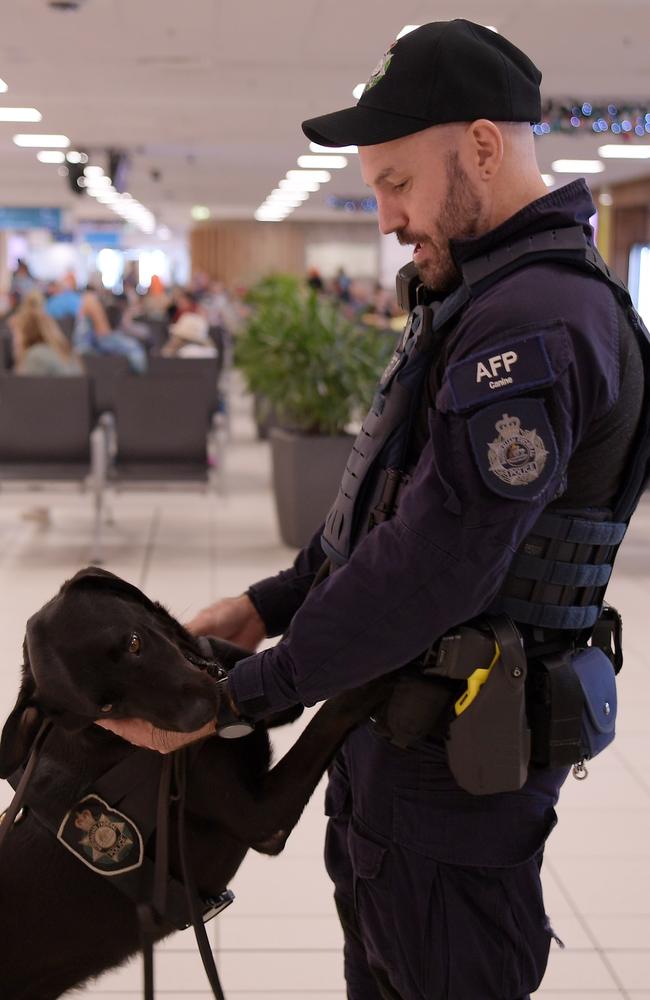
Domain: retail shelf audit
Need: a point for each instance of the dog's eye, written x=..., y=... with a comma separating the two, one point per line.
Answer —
x=106, y=708
x=135, y=643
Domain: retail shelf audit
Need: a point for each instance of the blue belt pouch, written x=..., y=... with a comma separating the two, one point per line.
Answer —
x=598, y=682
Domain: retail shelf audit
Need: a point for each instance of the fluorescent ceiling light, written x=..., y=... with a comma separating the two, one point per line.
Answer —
x=3, y=87
x=405, y=30
x=548, y=179
x=51, y=156
x=29, y=139
x=20, y=115
x=289, y=193
x=200, y=213
x=315, y=176
x=578, y=166
x=358, y=91
x=295, y=185
x=93, y=171
x=316, y=147
x=287, y=198
x=616, y=152
x=329, y=162
x=74, y=156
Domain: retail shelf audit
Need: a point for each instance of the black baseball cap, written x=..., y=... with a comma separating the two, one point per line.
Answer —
x=446, y=71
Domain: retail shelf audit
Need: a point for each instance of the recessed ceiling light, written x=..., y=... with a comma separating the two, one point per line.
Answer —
x=332, y=162
x=74, y=156
x=28, y=139
x=200, y=213
x=293, y=184
x=93, y=171
x=51, y=156
x=316, y=147
x=605, y=198
x=578, y=166
x=314, y=176
x=20, y=115
x=615, y=152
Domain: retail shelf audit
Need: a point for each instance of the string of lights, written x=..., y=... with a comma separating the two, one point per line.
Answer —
x=624, y=119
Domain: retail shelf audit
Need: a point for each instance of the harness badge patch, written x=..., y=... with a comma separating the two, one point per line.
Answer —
x=101, y=837
x=516, y=456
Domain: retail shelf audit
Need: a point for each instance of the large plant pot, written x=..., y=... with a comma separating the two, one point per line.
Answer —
x=307, y=470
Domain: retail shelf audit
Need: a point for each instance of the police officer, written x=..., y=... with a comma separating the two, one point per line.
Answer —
x=518, y=435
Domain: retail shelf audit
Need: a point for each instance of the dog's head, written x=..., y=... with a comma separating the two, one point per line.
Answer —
x=101, y=649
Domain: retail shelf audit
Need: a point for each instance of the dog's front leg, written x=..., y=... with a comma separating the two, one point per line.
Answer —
x=264, y=817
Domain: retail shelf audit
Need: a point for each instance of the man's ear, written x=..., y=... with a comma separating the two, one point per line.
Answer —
x=20, y=728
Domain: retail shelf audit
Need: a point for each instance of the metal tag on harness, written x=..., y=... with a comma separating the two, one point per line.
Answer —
x=104, y=839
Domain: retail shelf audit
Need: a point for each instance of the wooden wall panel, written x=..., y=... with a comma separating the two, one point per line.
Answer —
x=239, y=253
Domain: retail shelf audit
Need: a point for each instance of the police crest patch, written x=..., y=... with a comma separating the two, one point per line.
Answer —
x=515, y=448
x=103, y=838
x=516, y=456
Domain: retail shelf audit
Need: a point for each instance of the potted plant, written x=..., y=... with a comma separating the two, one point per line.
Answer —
x=316, y=370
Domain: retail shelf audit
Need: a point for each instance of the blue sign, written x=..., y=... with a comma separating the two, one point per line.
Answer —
x=100, y=240
x=30, y=218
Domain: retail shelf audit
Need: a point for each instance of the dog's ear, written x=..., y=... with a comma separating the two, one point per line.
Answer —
x=20, y=728
x=93, y=576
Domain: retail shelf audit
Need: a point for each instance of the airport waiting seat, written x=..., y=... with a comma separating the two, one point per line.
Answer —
x=105, y=370
x=48, y=433
x=166, y=430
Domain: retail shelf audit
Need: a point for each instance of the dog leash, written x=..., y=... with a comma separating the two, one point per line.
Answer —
x=151, y=912
x=15, y=805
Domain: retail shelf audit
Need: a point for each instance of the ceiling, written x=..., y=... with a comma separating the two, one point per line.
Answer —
x=210, y=93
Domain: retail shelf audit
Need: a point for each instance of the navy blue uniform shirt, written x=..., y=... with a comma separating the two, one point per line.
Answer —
x=531, y=368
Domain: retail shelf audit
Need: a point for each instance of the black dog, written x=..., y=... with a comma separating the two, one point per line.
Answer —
x=101, y=648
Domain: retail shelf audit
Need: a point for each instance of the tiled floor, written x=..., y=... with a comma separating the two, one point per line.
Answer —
x=281, y=938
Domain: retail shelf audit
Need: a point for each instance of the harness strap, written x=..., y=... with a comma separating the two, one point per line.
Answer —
x=579, y=530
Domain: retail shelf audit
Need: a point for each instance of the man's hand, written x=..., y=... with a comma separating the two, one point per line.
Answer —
x=232, y=618
x=145, y=734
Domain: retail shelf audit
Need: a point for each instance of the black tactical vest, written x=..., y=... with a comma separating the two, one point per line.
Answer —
x=558, y=577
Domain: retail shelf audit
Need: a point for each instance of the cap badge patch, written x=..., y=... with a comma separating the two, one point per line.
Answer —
x=103, y=838
x=380, y=70
x=516, y=456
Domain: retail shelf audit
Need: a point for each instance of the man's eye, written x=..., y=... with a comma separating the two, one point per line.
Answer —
x=135, y=643
x=400, y=187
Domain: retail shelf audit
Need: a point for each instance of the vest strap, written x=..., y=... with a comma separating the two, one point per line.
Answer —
x=553, y=616
x=565, y=574
x=579, y=530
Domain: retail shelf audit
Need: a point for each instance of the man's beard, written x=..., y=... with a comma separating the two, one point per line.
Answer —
x=459, y=218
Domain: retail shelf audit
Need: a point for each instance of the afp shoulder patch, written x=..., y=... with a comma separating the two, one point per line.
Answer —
x=101, y=837
x=515, y=366
x=514, y=447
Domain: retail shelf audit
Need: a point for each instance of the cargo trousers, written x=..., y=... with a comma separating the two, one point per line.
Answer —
x=438, y=891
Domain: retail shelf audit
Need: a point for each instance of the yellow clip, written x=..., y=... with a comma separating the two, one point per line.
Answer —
x=475, y=682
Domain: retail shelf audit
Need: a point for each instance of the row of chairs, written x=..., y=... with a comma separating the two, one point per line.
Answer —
x=110, y=428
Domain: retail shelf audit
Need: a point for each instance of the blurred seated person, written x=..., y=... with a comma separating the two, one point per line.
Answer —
x=189, y=338
x=314, y=280
x=94, y=334
x=63, y=299
x=40, y=346
x=182, y=302
x=22, y=282
x=156, y=302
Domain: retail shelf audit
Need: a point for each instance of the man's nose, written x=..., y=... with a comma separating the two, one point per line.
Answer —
x=390, y=216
